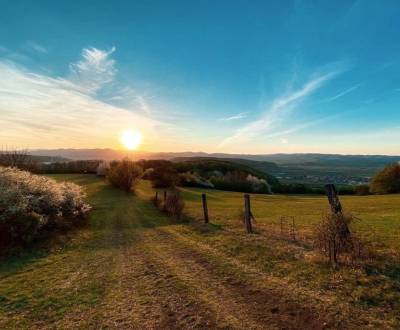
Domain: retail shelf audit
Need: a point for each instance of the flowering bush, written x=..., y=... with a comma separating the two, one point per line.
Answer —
x=102, y=169
x=193, y=179
x=241, y=181
x=259, y=185
x=30, y=204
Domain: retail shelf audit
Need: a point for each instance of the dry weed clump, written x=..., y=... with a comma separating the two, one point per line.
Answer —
x=333, y=237
x=174, y=204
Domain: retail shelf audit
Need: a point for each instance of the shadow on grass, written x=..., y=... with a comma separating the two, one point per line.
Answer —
x=116, y=221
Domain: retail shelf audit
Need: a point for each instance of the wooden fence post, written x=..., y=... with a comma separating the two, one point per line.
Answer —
x=247, y=213
x=205, y=208
x=165, y=200
x=156, y=198
x=333, y=198
x=336, y=208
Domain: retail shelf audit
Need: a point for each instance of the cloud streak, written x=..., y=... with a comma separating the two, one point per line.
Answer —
x=341, y=94
x=234, y=117
x=36, y=47
x=301, y=126
x=278, y=110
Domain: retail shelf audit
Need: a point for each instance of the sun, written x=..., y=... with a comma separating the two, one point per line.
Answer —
x=131, y=139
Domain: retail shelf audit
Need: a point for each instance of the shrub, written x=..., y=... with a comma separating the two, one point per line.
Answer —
x=31, y=204
x=124, y=175
x=174, y=204
x=387, y=181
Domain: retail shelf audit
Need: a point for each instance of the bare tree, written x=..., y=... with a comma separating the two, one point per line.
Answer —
x=17, y=158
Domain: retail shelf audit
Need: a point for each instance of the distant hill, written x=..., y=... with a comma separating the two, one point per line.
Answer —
x=304, y=168
x=282, y=159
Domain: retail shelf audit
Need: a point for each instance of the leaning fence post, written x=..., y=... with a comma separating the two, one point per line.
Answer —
x=337, y=210
x=247, y=213
x=333, y=198
x=205, y=208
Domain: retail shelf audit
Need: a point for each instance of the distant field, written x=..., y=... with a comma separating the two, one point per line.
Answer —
x=378, y=217
x=132, y=267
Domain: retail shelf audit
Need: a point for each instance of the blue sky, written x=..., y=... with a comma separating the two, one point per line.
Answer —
x=217, y=76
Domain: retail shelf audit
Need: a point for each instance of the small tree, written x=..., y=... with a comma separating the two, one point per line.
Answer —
x=124, y=175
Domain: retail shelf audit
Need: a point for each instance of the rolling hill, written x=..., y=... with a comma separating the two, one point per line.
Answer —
x=303, y=168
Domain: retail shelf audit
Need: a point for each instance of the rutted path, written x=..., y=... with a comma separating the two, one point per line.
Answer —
x=134, y=268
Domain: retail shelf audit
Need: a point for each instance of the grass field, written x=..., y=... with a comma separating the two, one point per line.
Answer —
x=378, y=217
x=133, y=267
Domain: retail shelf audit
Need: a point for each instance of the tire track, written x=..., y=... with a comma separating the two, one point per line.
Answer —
x=241, y=305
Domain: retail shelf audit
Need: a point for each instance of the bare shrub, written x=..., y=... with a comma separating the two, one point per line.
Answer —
x=17, y=158
x=333, y=237
x=124, y=175
x=174, y=204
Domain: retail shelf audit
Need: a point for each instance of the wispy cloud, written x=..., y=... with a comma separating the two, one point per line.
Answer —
x=234, y=117
x=343, y=93
x=130, y=98
x=301, y=126
x=94, y=70
x=36, y=47
x=62, y=112
x=278, y=110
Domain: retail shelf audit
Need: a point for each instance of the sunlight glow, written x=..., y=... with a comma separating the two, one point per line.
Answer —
x=131, y=139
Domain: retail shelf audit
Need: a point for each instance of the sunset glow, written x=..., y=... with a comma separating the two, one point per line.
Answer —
x=131, y=140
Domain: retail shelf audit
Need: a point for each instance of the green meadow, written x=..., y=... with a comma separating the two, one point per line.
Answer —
x=377, y=217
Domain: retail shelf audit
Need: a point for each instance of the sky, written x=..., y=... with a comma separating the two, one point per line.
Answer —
x=252, y=77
